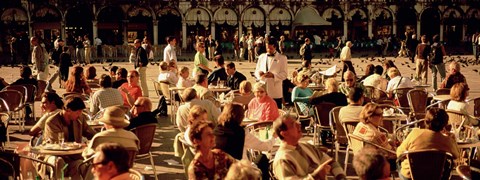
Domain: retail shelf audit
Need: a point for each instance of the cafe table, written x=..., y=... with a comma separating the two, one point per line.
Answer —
x=58, y=150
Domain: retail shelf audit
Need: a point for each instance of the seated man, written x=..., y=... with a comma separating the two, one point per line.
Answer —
x=73, y=124
x=296, y=160
x=106, y=163
x=141, y=113
x=454, y=77
x=352, y=111
x=396, y=81
x=106, y=96
x=376, y=80
x=120, y=78
x=369, y=163
x=114, y=122
x=191, y=99
x=131, y=90
x=234, y=77
x=166, y=75
x=219, y=74
x=350, y=83
x=201, y=87
x=332, y=95
x=51, y=104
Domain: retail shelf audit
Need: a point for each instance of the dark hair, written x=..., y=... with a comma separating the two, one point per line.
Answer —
x=25, y=72
x=170, y=39
x=91, y=72
x=355, y=94
x=123, y=73
x=105, y=81
x=279, y=125
x=369, y=69
x=65, y=49
x=436, y=38
x=114, y=69
x=115, y=153
x=378, y=69
x=53, y=97
x=388, y=64
x=272, y=41
x=219, y=59
x=232, y=114
x=436, y=119
x=74, y=103
x=458, y=92
x=196, y=130
x=231, y=65
x=189, y=94
x=200, y=78
x=369, y=164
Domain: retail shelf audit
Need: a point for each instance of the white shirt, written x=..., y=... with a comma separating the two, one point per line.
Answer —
x=377, y=81
x=395, y=83
x=346, y=55
x=169, y=54
x=98, y=42
x=278, y=67
x=168, y=76
x=184, y=83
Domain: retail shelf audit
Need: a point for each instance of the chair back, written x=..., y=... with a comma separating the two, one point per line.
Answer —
x=31, y=92
x=156, y=85
x=456, y=118
x=135, y=175
x=260, y=130
x=299, y=112
x=402, y=131
x=402, y=98
x=74, y=94
x=164, y=87
x=369, y=92
x=370, y=143
x=429, y=164
x=322, y=114
x=14, y=99
x=443, y=91
x=339, y=133
x=476, y=107
x=417, y=99
x=20, y=88
x=42, y=84
x=145, y=134
x=348, y=127
x=7, y=168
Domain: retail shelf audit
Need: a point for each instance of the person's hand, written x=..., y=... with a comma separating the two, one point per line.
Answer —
x=269, y=75
x=123, y=89
x=322, y=170
x=261, y=73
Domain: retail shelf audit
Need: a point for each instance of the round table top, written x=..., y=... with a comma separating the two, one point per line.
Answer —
x=395, y=117
x=176, y=88
x=422, y=86
x=218, y=89
x=442, y=97
x=78, y=149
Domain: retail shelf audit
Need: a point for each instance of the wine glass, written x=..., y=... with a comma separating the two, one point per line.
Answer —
x=61, y=138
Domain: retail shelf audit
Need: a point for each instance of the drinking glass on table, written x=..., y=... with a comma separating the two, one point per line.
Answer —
x=61, y=138
x=221, y=84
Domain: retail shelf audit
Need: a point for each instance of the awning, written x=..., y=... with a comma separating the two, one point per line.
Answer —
x=253, y=16
x=225, y=15
x=280, y=16
x=197, y=15
x=309, y=17
x=14, y=14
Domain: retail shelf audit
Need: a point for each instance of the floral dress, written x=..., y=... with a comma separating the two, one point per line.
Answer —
x=220, y=168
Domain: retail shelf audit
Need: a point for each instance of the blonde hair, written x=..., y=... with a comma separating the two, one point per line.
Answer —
x=195, y=113
x=245, y=87
x=393, y=72
x=257, y=86
x=369, y=110
x=184, y=69
x=459, y=91
x=331, y=85
x=243, y=170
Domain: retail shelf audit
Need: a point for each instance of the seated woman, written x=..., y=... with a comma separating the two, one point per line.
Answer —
x=207, y=163
x=371, y=118
x=197, y=113
x=245, y=94
x=433, y=137
x=332, y=95
x=459, y=94
x=262, y=107
x=301, y=94
x=368, y=71
x=76, y=82
x=183, y=80
x=230, y=134
x=91, y=74
x=25, y=78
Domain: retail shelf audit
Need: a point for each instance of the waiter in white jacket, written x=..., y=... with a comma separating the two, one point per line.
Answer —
x=272, y=70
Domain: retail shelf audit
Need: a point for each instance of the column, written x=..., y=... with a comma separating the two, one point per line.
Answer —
x=370, y=24
x=124, y=31
x=184, y=34
x=394, y=27
x=464, y=32
x=62, y=29
x=267, y=27
x=418, y=29
x=155, y=32
x=240, y=29
x=95, y=29
x=345, y=30
x=212, y=28
x=441, y=31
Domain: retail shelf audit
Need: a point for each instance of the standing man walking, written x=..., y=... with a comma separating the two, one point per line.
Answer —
x=272, y=70
x=421, y=61
x=141, y=62
x=346, y=57
x=39, y=60
x=306, y=51
x=475, y=37
x=169, y=54
x=80, y=51
x=438, y=51
x=250, y=48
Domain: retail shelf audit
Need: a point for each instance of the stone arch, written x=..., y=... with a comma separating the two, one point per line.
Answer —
x=253, y=16
x=332, y=12
x=280, y=15
x=359, y=12
x=146, y=11
x=198, y=14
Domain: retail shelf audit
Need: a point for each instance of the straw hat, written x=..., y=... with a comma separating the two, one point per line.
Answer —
x=115, y=116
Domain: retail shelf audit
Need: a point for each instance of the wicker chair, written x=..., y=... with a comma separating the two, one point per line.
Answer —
x=322, y=118
x=428, y=164
x=348, y=127
x=145, y=134
x=339, y=135
x=417, y=99
x=14, y=100
x=402, y=99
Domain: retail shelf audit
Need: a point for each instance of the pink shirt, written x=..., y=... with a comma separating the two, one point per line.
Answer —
x=264, y=109
x=135, y=92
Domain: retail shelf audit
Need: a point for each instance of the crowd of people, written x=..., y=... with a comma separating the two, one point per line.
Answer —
x=214, y=128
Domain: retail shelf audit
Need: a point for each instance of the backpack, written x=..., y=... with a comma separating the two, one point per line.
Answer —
x=436, y=54
x=3, y=133
x=302, y=50
x=162, y=107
